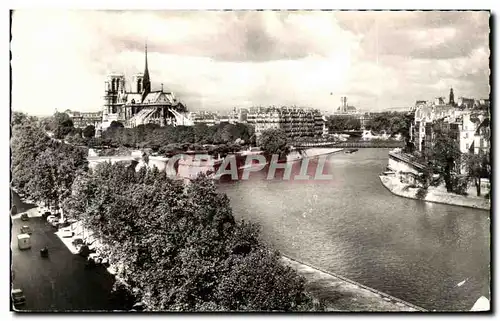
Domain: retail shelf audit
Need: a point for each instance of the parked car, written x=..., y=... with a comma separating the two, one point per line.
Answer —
x=24, y=241
x=76, y=242
x=17, y=297
x=25, y=229
x=83, y=250
x=42, y=209
x=62, y=223
x=94, y=258
x=139, y=306
x=57, y=222
x=46, y=214
x=25, y=217
x=44, y=252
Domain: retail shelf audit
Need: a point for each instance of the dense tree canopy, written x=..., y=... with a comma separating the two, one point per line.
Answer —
x=445, y=158
x=18, y=118
x=181, y=247
x=390, y=122
x=116, y=124
x=89, y=131
x=41, y=167
x=62, y=125
x=274, y=142
x=343, y=122
x=477, y=166
x=164, y=139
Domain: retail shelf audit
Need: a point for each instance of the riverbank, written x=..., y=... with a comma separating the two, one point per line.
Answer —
x=434, y=194
x=311, y=153
x=337, y=293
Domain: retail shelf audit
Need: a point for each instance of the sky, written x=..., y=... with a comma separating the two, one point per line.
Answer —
x=218, y=60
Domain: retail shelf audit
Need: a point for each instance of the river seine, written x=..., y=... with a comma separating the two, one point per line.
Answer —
x=351, y=225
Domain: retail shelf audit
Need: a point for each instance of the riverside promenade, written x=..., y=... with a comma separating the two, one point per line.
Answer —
x=435, y=194
x=337, y=293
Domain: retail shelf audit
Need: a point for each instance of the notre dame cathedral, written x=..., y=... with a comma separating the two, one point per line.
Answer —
x=140, y=105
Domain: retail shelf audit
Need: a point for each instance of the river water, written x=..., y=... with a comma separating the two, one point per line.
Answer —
x=351, y=225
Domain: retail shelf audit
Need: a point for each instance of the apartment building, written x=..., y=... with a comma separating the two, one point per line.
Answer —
x=296, y=122
x=203, y=117
x=470, y=128
x=84, y=119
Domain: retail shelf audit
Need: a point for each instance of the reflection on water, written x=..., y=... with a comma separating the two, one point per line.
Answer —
x=353, y=226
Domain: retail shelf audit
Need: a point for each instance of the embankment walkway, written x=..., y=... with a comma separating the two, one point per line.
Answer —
x=335, y=292
x=434, y=194
x=341, y=294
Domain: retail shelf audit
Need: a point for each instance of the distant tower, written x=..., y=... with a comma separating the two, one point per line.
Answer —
x=452, y=98
x=343, y=105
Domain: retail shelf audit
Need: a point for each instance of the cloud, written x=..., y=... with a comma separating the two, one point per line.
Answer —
x=224, y=36
x=430, y=35
x=222, y=59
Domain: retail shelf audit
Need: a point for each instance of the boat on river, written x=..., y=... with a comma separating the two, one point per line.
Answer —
x=352, y=150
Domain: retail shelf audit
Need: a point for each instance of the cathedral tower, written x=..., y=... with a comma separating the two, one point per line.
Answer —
x=452, y=97
x=114, y=86
x=137, y=83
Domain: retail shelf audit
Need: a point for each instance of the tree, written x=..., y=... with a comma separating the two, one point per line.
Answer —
x=28, y=141
x=180, y=246
x=89, y=131
x=47, y=123
x=477, y=166
x=391, y=122
x=204, y=134
x=62, y=125
x=445, y=157
x=116, y=124
x=343, y=122
x=353, y=123
x=44, y=168
x=75, y=138
x=274, y=141
x=19, y=118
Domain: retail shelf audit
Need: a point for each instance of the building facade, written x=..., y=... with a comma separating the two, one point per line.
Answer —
x=203, y=117
x=140, y=105
x=345, y=109
x=464, y=102
x=482, y=138
x=211, y=118
x=84, y=119
x=470, y=128
x=295, y=122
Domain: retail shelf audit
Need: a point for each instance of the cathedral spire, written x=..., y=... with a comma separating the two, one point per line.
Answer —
x=146, y=83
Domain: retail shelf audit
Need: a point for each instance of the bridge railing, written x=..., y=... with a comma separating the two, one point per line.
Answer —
x=405, y=158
